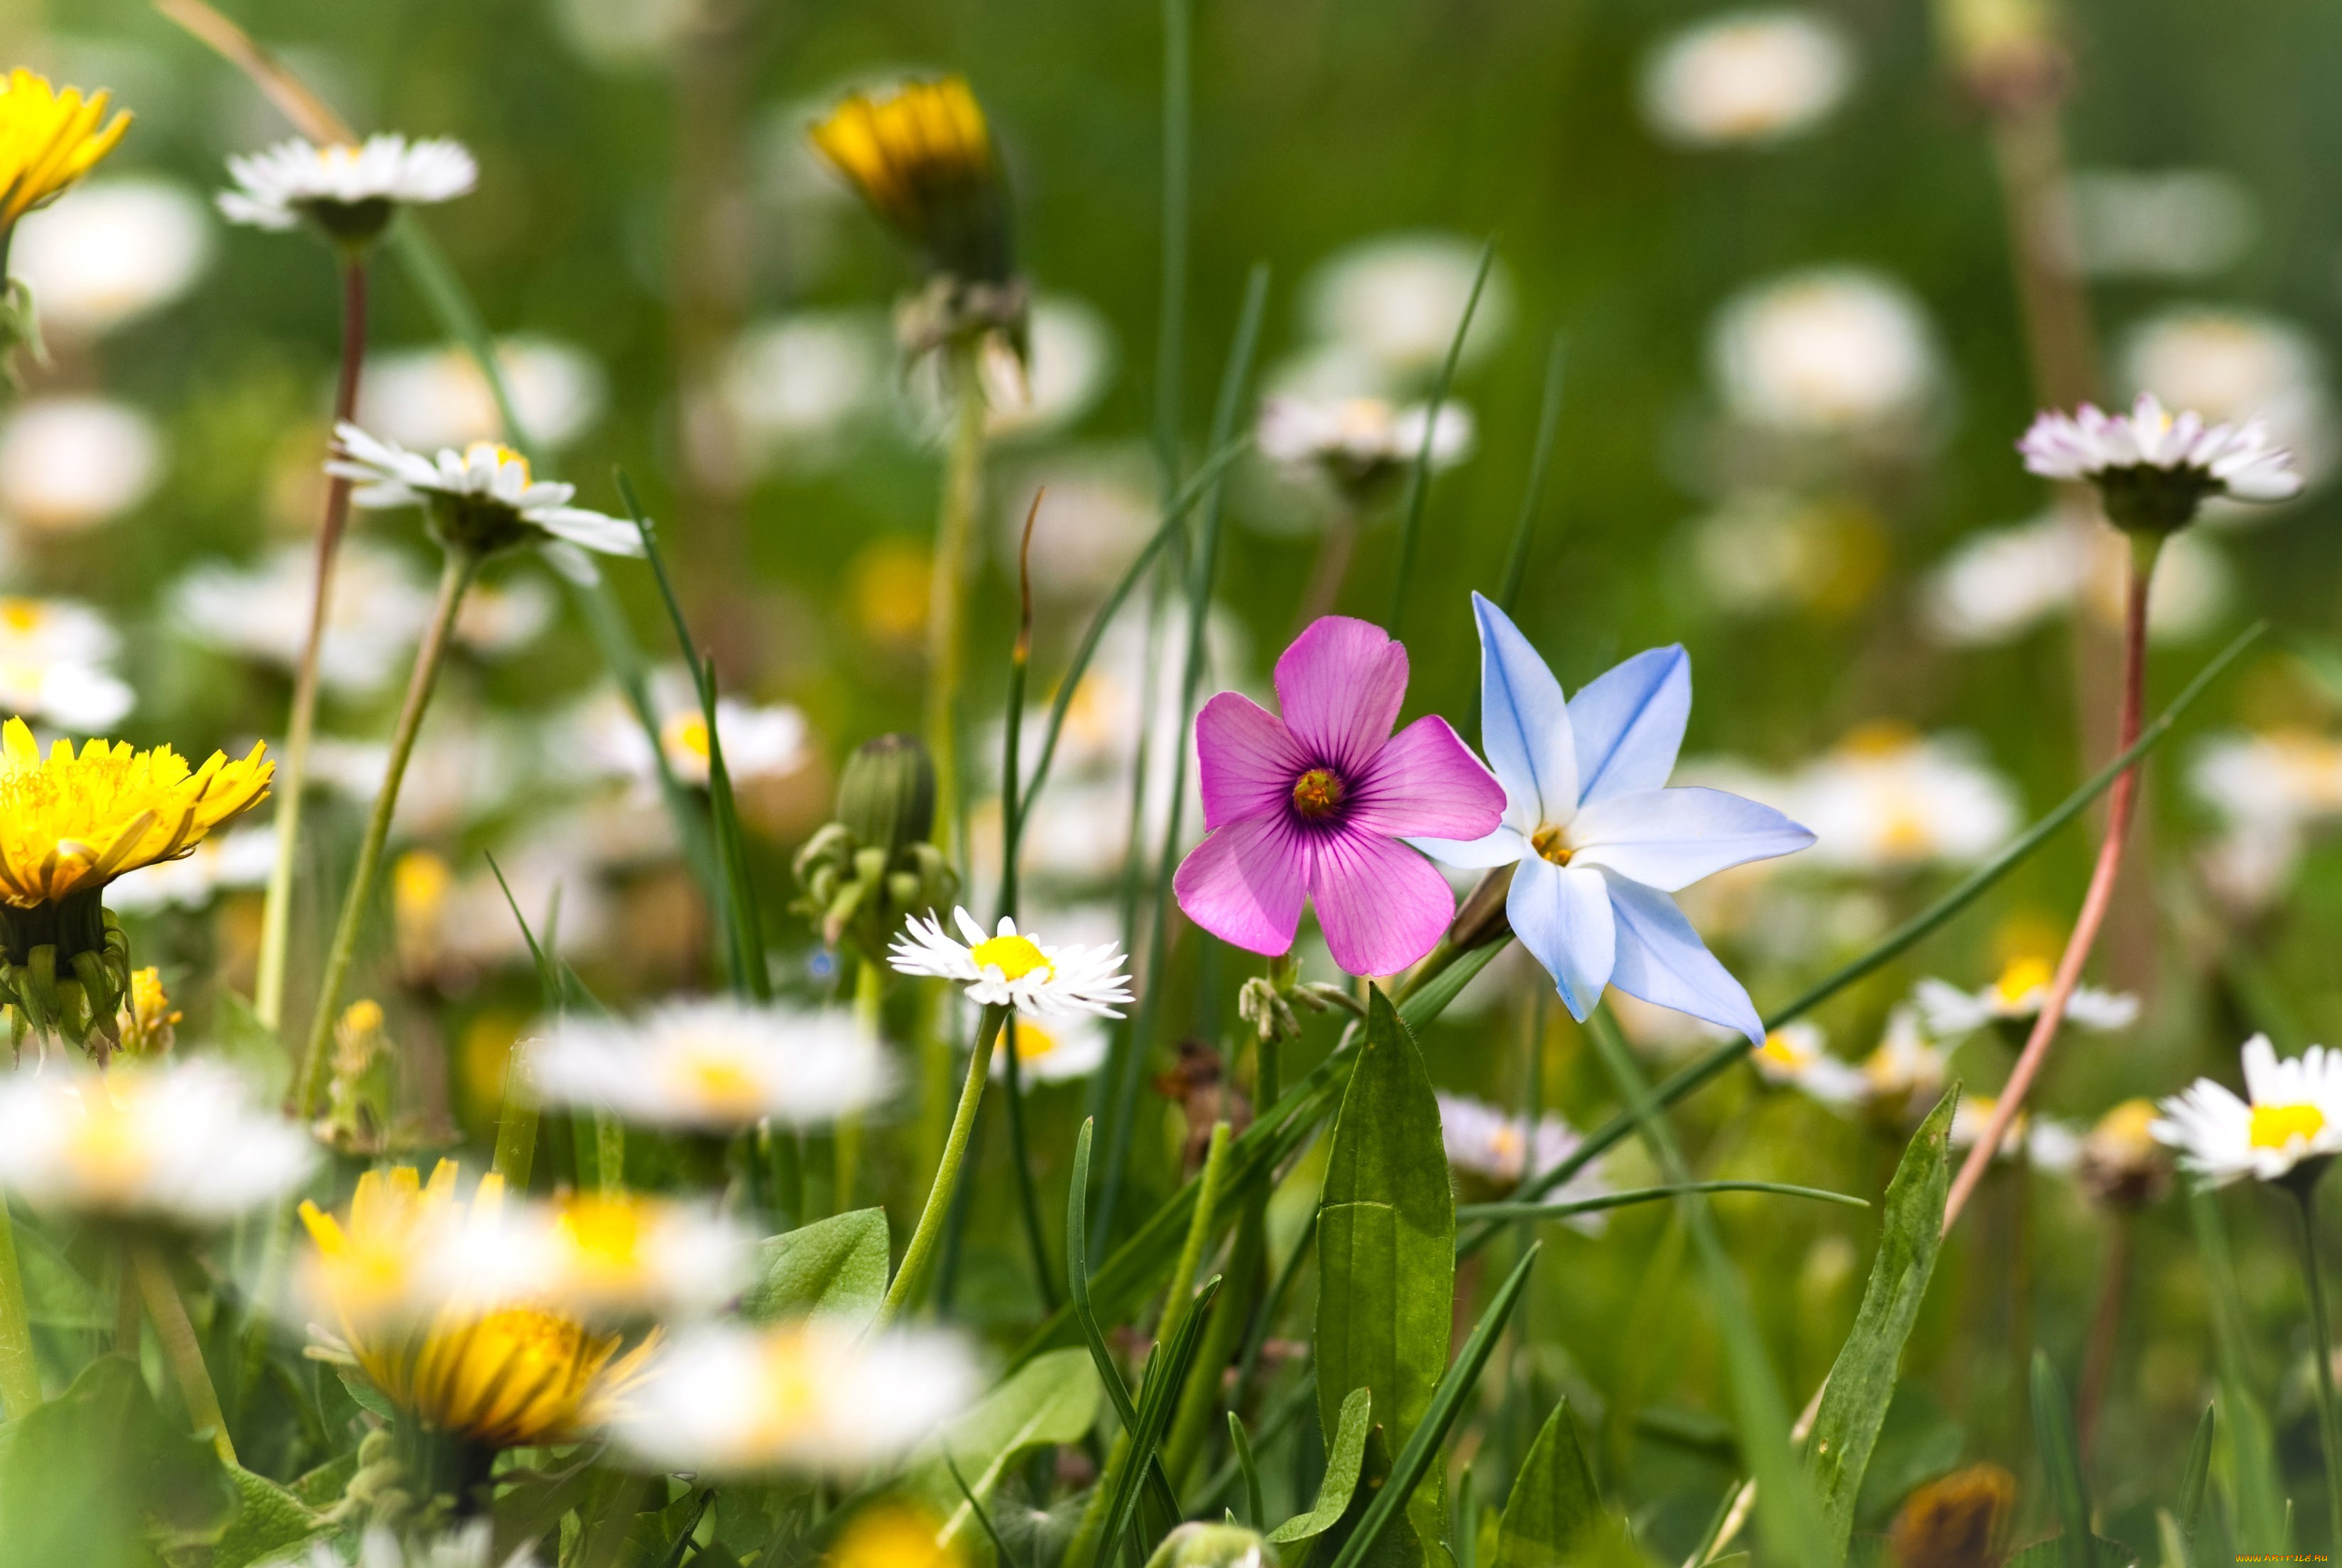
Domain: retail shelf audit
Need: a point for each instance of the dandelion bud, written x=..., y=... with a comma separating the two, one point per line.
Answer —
x=358, y=1099
x=145, y=1020
x=886, y=795
x=1197, y=1544
x=1955, y=1522
x=863, y=874
x=2122, y=1165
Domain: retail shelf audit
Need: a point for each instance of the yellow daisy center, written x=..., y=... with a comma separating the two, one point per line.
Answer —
x=1905, y=833
x=1548, y=842
x=1014, y=956
x=607, y=1234
x=2275, y=1126
x=21, y=615
x=504, y=456
x=1781, y=1051
x=2023, y=977
x=106, y=1148
x=1033, y=1042
x=687, y=733
x=1317, y=793
x=720, y=1080
x=787, y=1388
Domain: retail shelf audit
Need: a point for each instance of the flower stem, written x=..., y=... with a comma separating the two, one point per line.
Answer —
x=1332, y=565
x=2094, y=903
x=1028, y=1197
x=2106, y=1329
x=20, y=1373
x=2329, y=1419
x=455, y=577
x=169, y=1315
x=947, y=588
x=869, y=998
x=276, y=913
x=912, y=1275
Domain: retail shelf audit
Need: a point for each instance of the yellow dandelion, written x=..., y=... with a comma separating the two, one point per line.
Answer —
x=48, y=140
x=147, y=1021
x=921, y=156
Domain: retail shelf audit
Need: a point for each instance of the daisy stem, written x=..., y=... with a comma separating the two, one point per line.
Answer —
x=1028, y=1198
x=947, y=588
x=169, y=1315
x=276, y=912
x=2329, y=1420
x=912, y=1275
x=455, y=578
x=20, y=1373
x=2121, y=802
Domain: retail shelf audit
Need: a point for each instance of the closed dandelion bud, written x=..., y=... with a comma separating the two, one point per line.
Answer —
x=886, y=794
x=863, y=873
x=1955, y=1522
x=358, y=1098
x=147, y=1021
x=1197, y=1544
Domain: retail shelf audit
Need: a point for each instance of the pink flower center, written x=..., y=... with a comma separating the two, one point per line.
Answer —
x=1318, y=793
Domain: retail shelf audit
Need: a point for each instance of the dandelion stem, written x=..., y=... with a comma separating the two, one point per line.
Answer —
x=276, y=912
x=20, y=1373
x=948, y=587
x=845, y=1144
x=169, y=1315
x=455, y=578
x=912, y=1275
x=2094, y=903
x=2106, y=1329
x=2329, y=1419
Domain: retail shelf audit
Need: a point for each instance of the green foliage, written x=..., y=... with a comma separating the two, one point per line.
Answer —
x=1345, y=1456
x=1862, y=1381
x=85, y=1478
x=1051, y=1399
x=1554, y=1515
x=2262, y=1516
x=835, y=1268
x=269, y=1523
x=2052, y=1553
x=2061, y=1460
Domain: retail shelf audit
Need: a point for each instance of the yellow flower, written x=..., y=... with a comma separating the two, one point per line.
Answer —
x=71, y=823
x=147, y=1021
x=500, y=1373
x=921, y=156
x=892, y=1535
x=48, y=140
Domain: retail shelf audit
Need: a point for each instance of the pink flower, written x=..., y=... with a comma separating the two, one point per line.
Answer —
x=1312, y=805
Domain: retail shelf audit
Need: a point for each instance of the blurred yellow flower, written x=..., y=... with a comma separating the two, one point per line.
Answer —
x=892, y=1535
x=921, y=156
x=147, y=1021
x=70, y=823
x=48, y=140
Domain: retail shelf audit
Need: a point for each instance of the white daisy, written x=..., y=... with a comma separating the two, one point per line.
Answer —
x=1754, y=77
x=182, y=1145
x=1009, y=969
x=1358, y=443
x=595, y=1256
x=72, y=462
x=2016, y=997
x=2231, y=366
x=2153, y=468
x=2047, y=1143
x=2292, y=1113
x=1885, y=799
x=716, y=1064
x=1488, y=1142
x=54, y=654
x=1905, y=1067
x=2001, y=583
x=1796, y=1055
x=482, y=497
x=120, y=249
x=798, y=387
x=373, y=614
x=804, y=1398
x=760, y=741
x=1832, y=351
x=349, y=192
x=1052, y=1051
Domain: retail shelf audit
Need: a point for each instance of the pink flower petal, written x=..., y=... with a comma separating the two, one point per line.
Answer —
x=1340, y=684
x=1426, y=783
x=1248, y=759
x=1245, y=884
x=1381, y=905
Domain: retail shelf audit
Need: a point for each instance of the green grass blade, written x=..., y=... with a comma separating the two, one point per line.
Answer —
x=1171, y=320
x=1418, y=484
x=1554, y=1508
x=2262, y=1526
x=1158, y=1392
x=983, y=1516
x=1446, y=1404
x=1240, y=1445
x=1517, y=558
x=1626, y=1196
x=2061, y=1461
x=2194, y=1478
x=1079, y=1304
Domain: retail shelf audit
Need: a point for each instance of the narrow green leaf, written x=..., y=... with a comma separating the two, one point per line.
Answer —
x=2061, y=1462
x=1862, y=1381
x=1051, y=1399
x=834, y=1268
x=1385, y=1235
x=2192, y=1478
x=1626, y=1196
x=1078, y=1303
x=991, y=1531
x=2052, y=1553
x=362, y=1390
x=1159, y=1394
x=1553, y=1510
x=1517, y=558
x=1346, y=1454
x=2261, y=1515
x=1240, y=1445
x=1418, y=484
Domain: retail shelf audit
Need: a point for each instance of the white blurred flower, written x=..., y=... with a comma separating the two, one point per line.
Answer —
x=118, y=250
x=1833, y=351
x=241, y=858
x=2015, y=997
x=798, y=386
x=1395, y=300
x=2235, y=366
x=71, y=463
x=471, y=1545
x=1052, y=1050
x=451, y=927
x=595, y=1256
x=1006, y=968
x=1750, y=76
x=276, y=188
x=2000, y=584
x=2292, y=1111
x=375, y=616
x=2159, y=223
x=1905, y=1068
x=804, y=1398
x=1762, y=552
x=2049, y=1144
x=759, y=742
x=1358, y=444
x=508, y=613
x=714, y=1064
x=1885, y=799
x=467, y=767
x=182, y=1144
x=1796, y=1055
x=619, y=35
x=1073, y=363
x=1491, y=1142
x=427, y=398
x=1099, y=507
x=53, y=659
x=2268, y=789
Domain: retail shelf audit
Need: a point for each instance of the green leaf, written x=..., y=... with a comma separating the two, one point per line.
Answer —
x=1628, y=1196
x=2193, y=1478
x=1050, y=1399
x=1554, y=1511
x=1158, y=1392
x=834, y=1268
x=1386, y=1237
x=1344, y=1459
x=368, y=1396
x=1397, y=1543
x=2261, y=1519
x=1862, y=1381
x=1240, y=1441
x=2052, y=1553
x=252, y=1046
x=2061, y=1461
x=56, y=1294
x=85, y=1476
x=269, y=1522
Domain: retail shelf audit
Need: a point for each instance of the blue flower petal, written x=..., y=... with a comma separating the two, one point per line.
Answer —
x=1629, y=725
x=1563, y=916
x=1525, y=726
x=1662, y=960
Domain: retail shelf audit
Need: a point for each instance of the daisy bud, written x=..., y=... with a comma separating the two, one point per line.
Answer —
x=1197, y=1544
x=2154, y=469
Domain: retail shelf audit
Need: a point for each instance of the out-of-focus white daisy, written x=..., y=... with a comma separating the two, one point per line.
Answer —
x=1395, y=300
x=71, y=463
x=804, y=1398
x=451, y=927
x=484, y=496
x=1886, y=799
x=1099, y=507
x=1494, y=1144
x=467, y=767
x=759, y=742
x=1833, y=351
x=1072, y=364
x=2047, y=1143
x=238, y=859
x=1752, y=76
x=508, y=613
x=2122, y=1163
x=798, y=387
x=2292, y=1111
x=624, y=34
x=120, y=249
x=1905, y=1071
x=347, y=191
x=54, y=654
x=427, y=398
x=1009, y=969
x=2001, y=583
x=2154, y=468
x=373, y=618
x=2015, y=998
x=182, y=1144
x=1052, y=1050
x=2235, y=366
x=2268, y=789
x=2160, y=223
x=471, y=1545
x=1359, y=444
x=598, y=1256
x=1797, y=1056
x=1761, y=552
x=716, y=1064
